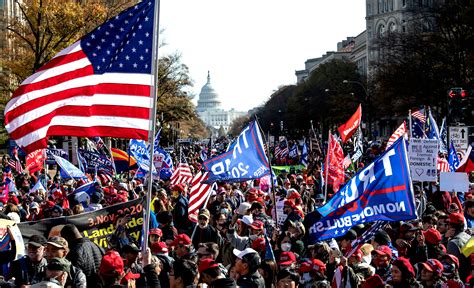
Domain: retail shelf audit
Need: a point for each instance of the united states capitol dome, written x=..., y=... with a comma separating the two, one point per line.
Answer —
x=208, y=98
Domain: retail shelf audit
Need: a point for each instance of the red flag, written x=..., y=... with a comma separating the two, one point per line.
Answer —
x=348, y=129
x=98, y=86
x=198, y=195
x=335, y=164
x=401, y=130
x=35, y=160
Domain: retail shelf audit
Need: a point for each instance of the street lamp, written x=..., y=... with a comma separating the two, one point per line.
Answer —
x=366, y=102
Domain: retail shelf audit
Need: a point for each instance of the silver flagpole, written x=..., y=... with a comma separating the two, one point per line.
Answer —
x=151, y=130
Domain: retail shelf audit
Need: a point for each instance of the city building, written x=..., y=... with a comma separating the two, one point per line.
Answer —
x=210, y=111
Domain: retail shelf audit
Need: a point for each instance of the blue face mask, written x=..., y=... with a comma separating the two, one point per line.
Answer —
x=225, y=211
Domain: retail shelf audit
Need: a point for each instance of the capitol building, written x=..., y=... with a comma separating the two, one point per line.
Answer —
x=210, y=111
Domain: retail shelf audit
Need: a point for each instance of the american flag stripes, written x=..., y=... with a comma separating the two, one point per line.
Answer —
x=401, y=131
x=367, y=236
x=15, y=162
x=443, y=165
x=198, y=195
x=182, y=174
x=418, y=124
x=98, y=86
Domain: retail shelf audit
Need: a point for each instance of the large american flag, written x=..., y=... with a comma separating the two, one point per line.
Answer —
x=198, y=195
x=442, y=165
x=98, y=86
x=182, y=174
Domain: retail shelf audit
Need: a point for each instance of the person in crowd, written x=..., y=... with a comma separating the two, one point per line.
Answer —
x=185, y=273
x=83, y=253
x=183, y=247
x=381, y=260
x=30, y=269
x=180, y=210
x=9, y=254
x=288, y=278
x=205, y=232
x=211, y=274
x=432, y=273
x=56, y=274
x=111, y=271
x=457, y=240
x=58, y=247
x=246, y=265
x=210, y=250
x=403, y=274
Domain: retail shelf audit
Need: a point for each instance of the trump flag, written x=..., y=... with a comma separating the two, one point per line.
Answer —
x=381, y=191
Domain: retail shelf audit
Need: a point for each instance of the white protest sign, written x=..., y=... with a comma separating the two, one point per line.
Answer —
x=454, y=182
x=460, y=137
x=281, y=216
x=423, y=157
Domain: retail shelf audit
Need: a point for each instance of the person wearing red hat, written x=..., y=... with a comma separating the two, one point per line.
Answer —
x=450, y=271
x=212, y=275
x=381, y=260
x=287, y=260
x=431, y=273
x=258, y=213
x=183, y=246
x=374, y=281
x=154, y=235
x=291, y=211
x=112, y=270
x=432, y=240
x=403, y=274
x=457, y=240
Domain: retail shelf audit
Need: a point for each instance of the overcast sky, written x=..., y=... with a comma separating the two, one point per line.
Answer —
x=251, y=47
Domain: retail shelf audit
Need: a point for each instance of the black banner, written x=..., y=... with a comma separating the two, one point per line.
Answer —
x=98, y=226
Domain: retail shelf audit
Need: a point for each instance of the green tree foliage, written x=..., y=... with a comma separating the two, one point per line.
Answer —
x=322, y=98
x=238, y=125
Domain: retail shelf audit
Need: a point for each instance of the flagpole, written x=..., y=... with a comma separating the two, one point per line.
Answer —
x=267, y=153
x=152, y=128
x=327, y=168
x=409, y=124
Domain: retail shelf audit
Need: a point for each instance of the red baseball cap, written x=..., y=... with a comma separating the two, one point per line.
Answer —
x=433, y=265
x=259, y=244
x=453, y=259
x=287, y=258
x=207, y=263
x=432, y=236
x=159, y=247
x=305, y=267
x=319, y=266
x=257, y=225
x=383, y=250
x=156, y=231
x=290, y=203
x=111, y=262
x=294, y=195
x=181, y=239
x=456, y=218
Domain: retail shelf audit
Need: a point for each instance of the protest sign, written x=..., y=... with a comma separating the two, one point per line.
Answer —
x=423, y=158
x=454, y=182
x=96, y=162
x=98, y=226
x=5, y=239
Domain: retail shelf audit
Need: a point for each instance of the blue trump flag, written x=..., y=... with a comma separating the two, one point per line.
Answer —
x=68, y=170
x=453, y=159
x=381, y=191
x=246, y=159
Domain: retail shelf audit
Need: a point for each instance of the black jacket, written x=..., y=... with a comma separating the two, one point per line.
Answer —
x=208, y=234
x=87, y=256
x=223, y=283
x=25, y=273
x=253, y=280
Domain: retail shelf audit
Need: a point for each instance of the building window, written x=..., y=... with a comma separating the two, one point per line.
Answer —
x=404, y=3
x=392, y=27
x=381, y=30
x=380, y=7
x=404, y=26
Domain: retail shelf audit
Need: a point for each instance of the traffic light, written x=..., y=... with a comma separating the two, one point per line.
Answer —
x=459, y=110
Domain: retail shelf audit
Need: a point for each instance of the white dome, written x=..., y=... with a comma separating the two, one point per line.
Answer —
x=208, y=98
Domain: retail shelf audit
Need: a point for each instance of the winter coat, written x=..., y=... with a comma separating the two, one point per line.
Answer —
x=87, y=256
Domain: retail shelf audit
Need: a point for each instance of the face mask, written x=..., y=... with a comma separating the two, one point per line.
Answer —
x=306, y=278
x=225, y=211
x=253, y=237
x=286, y=247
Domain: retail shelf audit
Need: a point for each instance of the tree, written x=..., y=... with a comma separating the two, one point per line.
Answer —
x=418, y=66
x=238, y=125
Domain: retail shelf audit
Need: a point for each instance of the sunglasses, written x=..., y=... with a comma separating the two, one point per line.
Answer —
x=202, y=218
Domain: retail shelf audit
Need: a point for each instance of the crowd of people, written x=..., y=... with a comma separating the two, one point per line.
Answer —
x=239, y=240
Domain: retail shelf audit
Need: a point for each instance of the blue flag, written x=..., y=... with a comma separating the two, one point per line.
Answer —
x=432, y=128
x=139, y=150
x=245, y=161
x=381, y=191
x=453, y=159
x=304, y=155
x=443, y=136
x=68, y=170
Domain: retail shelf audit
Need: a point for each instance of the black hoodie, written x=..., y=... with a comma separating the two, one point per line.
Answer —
x=223, y=282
